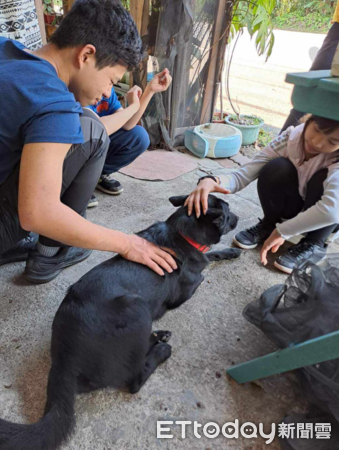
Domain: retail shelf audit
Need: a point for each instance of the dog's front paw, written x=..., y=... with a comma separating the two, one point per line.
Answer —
x=162, y=336
x=233, y=253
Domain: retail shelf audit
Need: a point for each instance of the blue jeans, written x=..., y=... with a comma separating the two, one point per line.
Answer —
x=124, y=148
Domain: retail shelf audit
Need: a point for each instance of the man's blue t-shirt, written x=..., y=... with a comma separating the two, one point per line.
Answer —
x=107, y=106
x=36, y=106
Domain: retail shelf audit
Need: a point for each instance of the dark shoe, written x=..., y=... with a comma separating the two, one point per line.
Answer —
x=253, y=236
x=42, y=269
x=20, y=251
x=297, y=253
x=109, y=185
x=93, y=202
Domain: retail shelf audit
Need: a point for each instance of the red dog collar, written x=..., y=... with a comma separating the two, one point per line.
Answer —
x=201, y=248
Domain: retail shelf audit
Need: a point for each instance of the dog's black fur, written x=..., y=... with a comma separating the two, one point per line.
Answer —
x=102, y=333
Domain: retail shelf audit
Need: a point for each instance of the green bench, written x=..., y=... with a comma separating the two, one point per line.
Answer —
x=314, y=351
x=316, y=93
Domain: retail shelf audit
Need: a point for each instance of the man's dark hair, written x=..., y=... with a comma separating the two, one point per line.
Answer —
x=105, y=24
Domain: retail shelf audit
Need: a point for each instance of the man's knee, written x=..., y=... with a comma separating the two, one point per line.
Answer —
x=94, y=132
x=141, y=138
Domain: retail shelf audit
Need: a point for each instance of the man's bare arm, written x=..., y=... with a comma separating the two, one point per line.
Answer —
x=41, y=211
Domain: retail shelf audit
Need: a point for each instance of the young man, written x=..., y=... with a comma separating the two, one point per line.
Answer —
x=127, y=139
x=52, y=153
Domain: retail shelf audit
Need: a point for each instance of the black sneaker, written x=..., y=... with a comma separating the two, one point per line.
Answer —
x=42, y=269
x=109, y=185
x=297, y=253
x=93, y=202
x=253, y=236
x=20, y=251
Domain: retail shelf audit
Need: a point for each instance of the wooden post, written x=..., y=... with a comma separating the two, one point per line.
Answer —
x=136, y=9
x=67, y=4
x=219, y=33
x=40, y=13
x=139, y=10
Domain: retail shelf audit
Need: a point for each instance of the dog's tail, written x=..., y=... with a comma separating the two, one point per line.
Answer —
x=57, y=423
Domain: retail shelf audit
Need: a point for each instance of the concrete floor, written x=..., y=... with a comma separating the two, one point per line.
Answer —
x=209, y=335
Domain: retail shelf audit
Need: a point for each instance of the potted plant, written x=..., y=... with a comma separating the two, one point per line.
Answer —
x=217, y=117
x=257, y=16
x=49, y=13
x=248, y=124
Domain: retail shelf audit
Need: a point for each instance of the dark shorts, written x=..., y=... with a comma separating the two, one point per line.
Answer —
x=81, y=170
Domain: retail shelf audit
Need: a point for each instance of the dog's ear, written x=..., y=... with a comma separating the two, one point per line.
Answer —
x=178, y=200
x=218, y=218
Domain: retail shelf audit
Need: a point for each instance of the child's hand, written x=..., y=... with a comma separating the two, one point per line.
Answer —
x=273, y=242
x=160, y=82
x=133, y=95
x=198, y=199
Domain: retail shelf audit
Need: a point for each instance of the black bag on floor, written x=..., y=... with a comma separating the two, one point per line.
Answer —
x=305, y=307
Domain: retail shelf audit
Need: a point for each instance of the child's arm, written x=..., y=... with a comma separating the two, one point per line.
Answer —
x=324, y=213
x=113, y=122
x=321, y=215
x=160, y=83
x=235, y=181
x=238, y=180
x=144, y=101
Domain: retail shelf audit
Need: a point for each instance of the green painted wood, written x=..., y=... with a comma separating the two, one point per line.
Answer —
x=329, y=84
x=307, y=79
x=311, y=352
x=316, y=101
x=316, y=93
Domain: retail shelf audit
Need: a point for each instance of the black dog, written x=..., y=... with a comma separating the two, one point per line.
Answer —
x=102, y=333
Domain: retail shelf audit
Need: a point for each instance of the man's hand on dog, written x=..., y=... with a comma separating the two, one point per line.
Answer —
x=274, y=242
x=143, y=252
x=200, y=196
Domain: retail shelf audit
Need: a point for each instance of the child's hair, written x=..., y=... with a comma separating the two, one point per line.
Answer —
x=327, y=126
x=105, y=24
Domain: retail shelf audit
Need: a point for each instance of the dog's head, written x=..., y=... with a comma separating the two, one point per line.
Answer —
x=208, y=228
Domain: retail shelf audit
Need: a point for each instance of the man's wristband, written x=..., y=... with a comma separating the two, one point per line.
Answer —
x=216, y=179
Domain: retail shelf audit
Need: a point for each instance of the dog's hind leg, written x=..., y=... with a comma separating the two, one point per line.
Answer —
x=224, y=255
x=85, y=386
x=158, y=336
x=159, y=353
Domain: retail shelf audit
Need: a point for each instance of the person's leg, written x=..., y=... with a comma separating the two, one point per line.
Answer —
x=323, y=61
x=278, y=189
x=81, y=171
x=82, y=168
x=15, y=242
x=313, y=246
x=125, y=146
x=10, y=229
x=315, y=190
